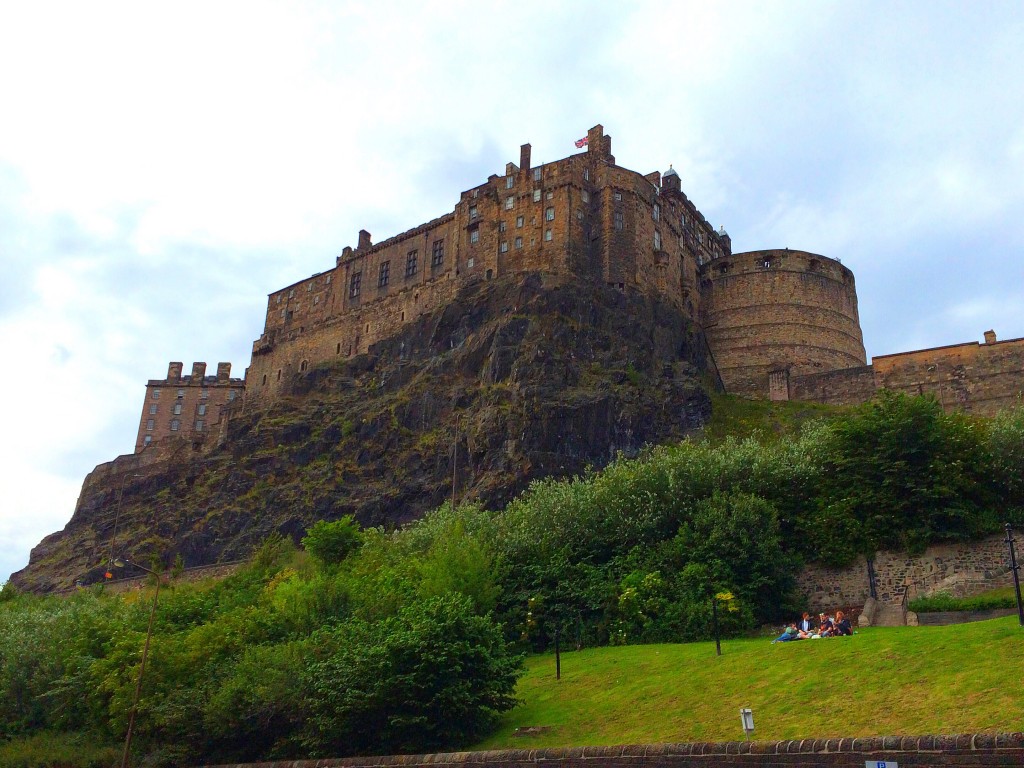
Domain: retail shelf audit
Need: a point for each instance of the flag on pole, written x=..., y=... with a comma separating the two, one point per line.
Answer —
x=582, y=142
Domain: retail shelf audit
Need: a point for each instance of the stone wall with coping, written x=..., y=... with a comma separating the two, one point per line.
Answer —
x=961, y=569
x=976, y=750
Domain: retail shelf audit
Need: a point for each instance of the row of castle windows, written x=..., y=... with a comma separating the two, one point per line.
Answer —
x=201, y=408
x=309, y=289
x=411, y=268
x=175, y=426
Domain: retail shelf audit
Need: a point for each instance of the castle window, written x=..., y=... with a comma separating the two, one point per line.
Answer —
x=264, y=379
x=656, y=212
x=766, y=264
x=503, y=246
x=586, y=174
x=619, y=223
x=355, y=284
x=327, y=281
x=147, y=440
x=657, y=240
x=547, y=234
x=509, y=181
x=291, y=293
x=519, y=222
x=682, y=221
x=412, y=263
x=337, y=351
x=536, y=174
x=177, y=409
x=550, y=195
x=472, y=212
x=519, y=242
x=204, y=393
x=199, y=425
x=469, y=263
x=181, y=393
x=316, y=300
x=278, y=374
x=474, y=236
x=618, y=197
x=437, y=253
x=586, y=196
x=549, y=213
x=536, y=195
x=149, y=425
x=303, y=365
x=510, y=203
x=232, y=393
x=278, y=298
x=175, y=425
x=309, y=287
x=202, y=409
x=501, y=226
x=384, y=274
x=723, y=269
x=152, y=410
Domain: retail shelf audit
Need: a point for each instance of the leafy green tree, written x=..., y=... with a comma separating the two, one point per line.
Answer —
x=899, y=473
x=331, y=542
x=433, y=677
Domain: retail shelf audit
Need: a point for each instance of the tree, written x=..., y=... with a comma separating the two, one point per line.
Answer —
x=331, y=542
x=899, y=473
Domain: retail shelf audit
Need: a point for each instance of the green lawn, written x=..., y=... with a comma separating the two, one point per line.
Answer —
x=905, y=680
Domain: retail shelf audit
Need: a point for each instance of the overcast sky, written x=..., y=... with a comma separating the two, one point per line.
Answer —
x=165, y=166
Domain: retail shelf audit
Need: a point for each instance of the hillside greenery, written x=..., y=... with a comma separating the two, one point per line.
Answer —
x=412, y=639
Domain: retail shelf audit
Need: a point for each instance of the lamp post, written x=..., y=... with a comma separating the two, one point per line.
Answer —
x=145, y=652
x=117, y=516
x=1015, y=569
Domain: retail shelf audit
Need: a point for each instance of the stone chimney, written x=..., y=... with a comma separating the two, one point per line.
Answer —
x=598, y=143
x=223, y=372
x=364, y=240
x=345, y=253
x=524, y=157
x=990, y=337
x=198, y=372
x=174, y=372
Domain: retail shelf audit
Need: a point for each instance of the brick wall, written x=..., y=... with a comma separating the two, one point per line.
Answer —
x=1004, y=749
x=847, y=386
x=978, y=378
x=962, y=569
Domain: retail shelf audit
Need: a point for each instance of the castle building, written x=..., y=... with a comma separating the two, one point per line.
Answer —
x=188, y=407
x=782, y=323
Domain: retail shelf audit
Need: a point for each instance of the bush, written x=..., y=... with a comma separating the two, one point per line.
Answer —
x=433, y=677
x=944, y=601
x=330, y=543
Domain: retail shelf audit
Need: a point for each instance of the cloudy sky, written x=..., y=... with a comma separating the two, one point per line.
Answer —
x=165, y=166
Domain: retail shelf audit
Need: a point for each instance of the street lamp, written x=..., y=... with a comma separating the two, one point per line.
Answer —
x=1015, y=569
x=117, y=516
x=145, y=652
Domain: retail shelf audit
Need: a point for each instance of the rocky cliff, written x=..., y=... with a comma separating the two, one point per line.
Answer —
x=519, y=378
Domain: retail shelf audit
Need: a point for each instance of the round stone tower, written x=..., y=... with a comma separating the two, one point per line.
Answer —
x=773, y=314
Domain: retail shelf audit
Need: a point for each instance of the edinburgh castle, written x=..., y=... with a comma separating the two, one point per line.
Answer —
x=781, y=324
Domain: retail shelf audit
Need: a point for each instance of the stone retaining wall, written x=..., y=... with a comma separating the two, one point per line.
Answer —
x=961, y=569
x=909, y=751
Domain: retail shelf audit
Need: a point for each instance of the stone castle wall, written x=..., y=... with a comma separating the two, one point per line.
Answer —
x=780, y=310
x=976, y=378
x=962, y=569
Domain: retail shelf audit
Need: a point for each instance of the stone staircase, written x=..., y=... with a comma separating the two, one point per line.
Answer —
x=879, y=614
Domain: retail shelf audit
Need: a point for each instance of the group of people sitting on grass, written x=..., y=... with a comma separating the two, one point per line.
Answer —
x=807, y=629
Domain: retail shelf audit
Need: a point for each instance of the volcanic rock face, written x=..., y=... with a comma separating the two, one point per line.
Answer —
x=519, y=378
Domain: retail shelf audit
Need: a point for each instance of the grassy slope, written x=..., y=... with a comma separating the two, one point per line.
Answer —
x=739, y=417
x=905, y=680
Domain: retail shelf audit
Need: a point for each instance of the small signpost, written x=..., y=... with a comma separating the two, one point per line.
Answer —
x=747, y=720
